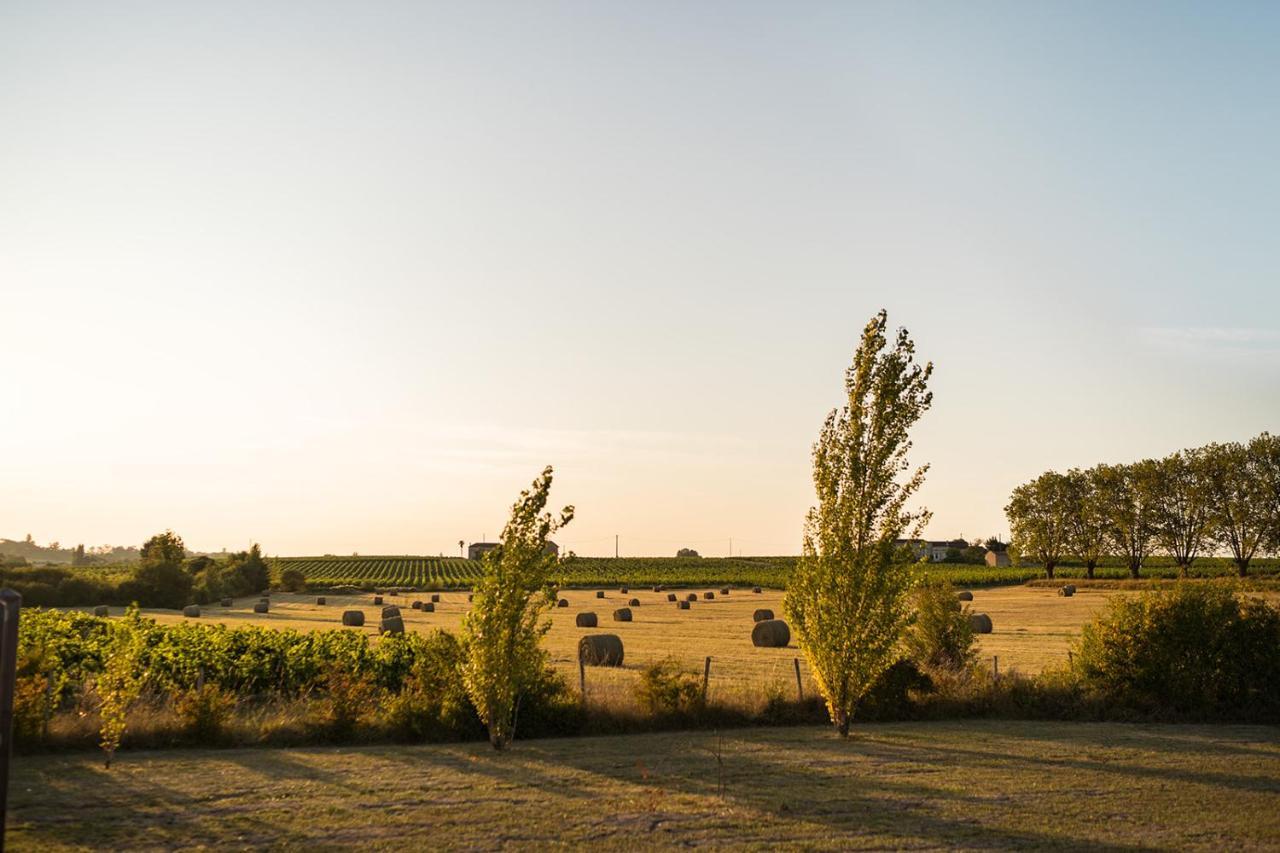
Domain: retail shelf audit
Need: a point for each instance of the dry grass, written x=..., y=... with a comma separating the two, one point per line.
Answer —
x=990, y=784
x=1034, y=628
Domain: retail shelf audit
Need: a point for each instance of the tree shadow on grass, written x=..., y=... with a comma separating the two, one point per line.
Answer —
x=1059, y=756
x=848, y=806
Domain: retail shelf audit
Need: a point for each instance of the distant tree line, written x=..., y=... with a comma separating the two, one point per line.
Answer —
x=1216, y=498
x=166, y=575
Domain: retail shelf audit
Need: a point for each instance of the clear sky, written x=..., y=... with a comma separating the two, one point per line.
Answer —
x=344, y=277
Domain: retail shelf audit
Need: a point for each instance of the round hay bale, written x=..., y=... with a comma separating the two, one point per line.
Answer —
x=708, y=595
x=693, y=596
x=428, y=607
x=435, y=598
x=683, y=605
x=599, y=593
x=320, y=600
x=226, y=602
x=622, y=614
x=391, y=625
x=964, y=595
x=102, y=610
x=671, y=596
x=980, y=622
x=724, y=590
x=586, y=620
x=762, y=615
x=564, y=602
x=377, y=601
x=756, y=590
x=600, y=650
x=261, y=607
x=353, y=618
x=390, y=611
x=393, y=592
x=635, y=602
x=1067, y=591
x=771, y=633
x=657, y=588
x=417, y=605
x=191, y=611
x=623, y=590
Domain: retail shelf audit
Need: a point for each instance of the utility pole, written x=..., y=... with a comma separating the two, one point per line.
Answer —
x=730, y=546
x=615, y=546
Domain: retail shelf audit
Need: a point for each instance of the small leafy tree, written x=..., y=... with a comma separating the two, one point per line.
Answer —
x=1265, y=450
x=1037, y=514
x=1239, y=502
x=1182, y=516
x=848, y=597
x=161, y=578
x=941, y=635
x=1127, y=496
x=1086, y=518
x=502, y=633
x=120, y=682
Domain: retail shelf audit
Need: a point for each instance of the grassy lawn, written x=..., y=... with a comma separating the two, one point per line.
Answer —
x=971, y=783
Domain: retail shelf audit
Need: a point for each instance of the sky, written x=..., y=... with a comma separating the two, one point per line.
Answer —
x=343, y=277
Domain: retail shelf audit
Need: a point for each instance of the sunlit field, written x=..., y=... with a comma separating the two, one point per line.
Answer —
x=1033, y=629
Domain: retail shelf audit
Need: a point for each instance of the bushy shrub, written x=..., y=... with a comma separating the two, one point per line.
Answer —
x=349, y=698
x=1198, y=651
x=433, y=704
x=890, y=697
x=666, y=688
x=293, y=580
x=940, y=636
x=204, y=712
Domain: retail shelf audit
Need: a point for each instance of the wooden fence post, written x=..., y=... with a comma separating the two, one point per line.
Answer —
x=706, y=677
x=10, y=604
x=995, y=667
x=799, y=684
x=582, y=679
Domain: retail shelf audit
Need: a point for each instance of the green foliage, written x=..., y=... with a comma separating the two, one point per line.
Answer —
x=1038, y=514
x=164, y=549
x=1197, y=651
x=1182, y=510
x=293, y=580
x=665, y=688
x=502, y=632
x=433, y=704
x=848, y=596
x=349, y=697
x=119, y=683
x=1087, y=527
x=940, y=636
x=204, y=711
x=1241, y=516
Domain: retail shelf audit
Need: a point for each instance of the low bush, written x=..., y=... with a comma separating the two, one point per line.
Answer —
x=940, y=635
x=1197, y=651
x=204, y=712
x=665, y=688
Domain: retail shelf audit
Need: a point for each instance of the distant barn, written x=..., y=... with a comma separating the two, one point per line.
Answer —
x=998, y=558
x=477, y=550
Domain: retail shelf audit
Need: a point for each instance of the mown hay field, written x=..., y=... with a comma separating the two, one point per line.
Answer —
x=993, y=784
x=1033, y=629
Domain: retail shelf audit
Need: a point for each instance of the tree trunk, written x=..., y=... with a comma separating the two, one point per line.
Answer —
x=1182, y=570
x=1135, y=569
x=1088, y=569
x=843, y=725
x=1243, y=566
x=1048, y=569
